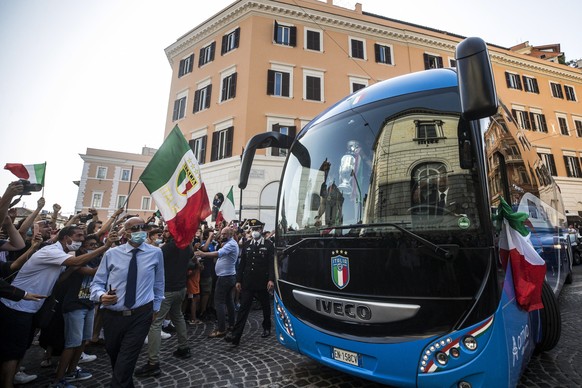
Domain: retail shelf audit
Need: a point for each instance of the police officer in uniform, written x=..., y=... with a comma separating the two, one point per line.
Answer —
x=254, y=279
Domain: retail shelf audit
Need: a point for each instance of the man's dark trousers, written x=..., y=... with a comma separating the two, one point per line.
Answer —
x=124, y=338
x=246, y=302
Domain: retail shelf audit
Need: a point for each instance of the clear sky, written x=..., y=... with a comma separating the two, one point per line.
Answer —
x=78, y=74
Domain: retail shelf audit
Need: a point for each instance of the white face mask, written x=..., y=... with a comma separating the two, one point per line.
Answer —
x=74, y=245
x=256, y=234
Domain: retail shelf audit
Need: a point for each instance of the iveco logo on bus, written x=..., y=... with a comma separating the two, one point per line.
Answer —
x=340, y=269
x=343, y=308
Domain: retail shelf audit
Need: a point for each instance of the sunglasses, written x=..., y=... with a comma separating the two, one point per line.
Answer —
x=136, y=228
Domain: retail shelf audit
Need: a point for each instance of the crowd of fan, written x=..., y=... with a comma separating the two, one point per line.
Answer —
x=45, y=286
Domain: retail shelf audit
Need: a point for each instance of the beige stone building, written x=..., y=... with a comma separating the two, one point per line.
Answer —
x=273, y=65
x=109, y=178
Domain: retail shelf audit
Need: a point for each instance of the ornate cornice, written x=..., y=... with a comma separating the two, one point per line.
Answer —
x=431, y=40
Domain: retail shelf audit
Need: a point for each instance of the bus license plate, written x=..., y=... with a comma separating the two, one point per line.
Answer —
x=345, y=356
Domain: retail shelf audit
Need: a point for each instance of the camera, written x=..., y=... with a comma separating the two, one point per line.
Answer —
x=28, y=187
x=86, y=218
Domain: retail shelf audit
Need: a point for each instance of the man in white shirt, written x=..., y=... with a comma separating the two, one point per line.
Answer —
x=38, y=275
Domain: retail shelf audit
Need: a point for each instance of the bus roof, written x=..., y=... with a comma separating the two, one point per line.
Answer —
x=409, y=83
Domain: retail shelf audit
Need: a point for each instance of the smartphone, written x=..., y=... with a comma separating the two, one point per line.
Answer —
x=35, y=230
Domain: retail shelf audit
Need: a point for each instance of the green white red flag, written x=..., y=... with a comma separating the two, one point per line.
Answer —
x=34, y=173
x=527, y=266
x=226, y=211
x=173, y=179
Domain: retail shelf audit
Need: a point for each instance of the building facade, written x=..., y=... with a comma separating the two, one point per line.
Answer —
x=109, y=178
x=273, y=65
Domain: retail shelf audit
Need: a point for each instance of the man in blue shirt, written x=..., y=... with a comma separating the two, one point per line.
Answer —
x=225, y=269
x=130, y=286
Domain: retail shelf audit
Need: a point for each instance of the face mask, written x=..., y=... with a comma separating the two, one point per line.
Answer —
x=138, y=237
x=74, y=245
x=159, y=241
x=256, y=234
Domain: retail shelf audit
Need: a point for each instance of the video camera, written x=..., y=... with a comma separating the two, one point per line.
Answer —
x=28, y=188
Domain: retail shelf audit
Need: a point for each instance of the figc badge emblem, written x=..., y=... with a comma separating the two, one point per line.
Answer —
x=340, y=269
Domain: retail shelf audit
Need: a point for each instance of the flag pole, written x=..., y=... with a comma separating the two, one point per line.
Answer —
x=240, y=207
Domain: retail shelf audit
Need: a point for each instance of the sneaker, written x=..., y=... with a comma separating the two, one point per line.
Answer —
x=182, y=353
x=23, y=378
x=165, y=335
x=46, y=363
x=86, y=358
x=78, y=375
x=62, y=384
x=148, y=370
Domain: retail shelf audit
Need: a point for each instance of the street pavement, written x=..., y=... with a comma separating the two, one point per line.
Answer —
x=262, y=362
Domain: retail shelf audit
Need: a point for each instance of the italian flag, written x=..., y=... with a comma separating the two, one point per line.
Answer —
x=173, y=179
x=226, y=211
x=34, y=173
x=527, y=266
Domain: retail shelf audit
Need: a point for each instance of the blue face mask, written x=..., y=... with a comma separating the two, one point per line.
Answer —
x=138, y=237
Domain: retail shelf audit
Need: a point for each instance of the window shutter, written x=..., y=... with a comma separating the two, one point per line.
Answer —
x=377, y=52
x=518, y=81
x=544, y=125
x=208, y=94
x=212, y=50
x=526, y=119
x=525, y=87
x=196, y=100
x=270, y=82
x=440, y=62
x=569, y=171
x=224, y=90
x=175, y=114
x=203, y=150
x=535, y=85
x=274, y=150
x=275, y=30
x=214, y=152
x=232, y=91
x=236, y=37
x=508, y=80
x=224, y=43
x=191, y=63
x=201, y=57
x=426, y=62
x=293, y=36
x=532, y=119
x=292, y=131
x=553, y=165
x=181, y=68
x=286, y=81
x=514, y=114
x=229, y=138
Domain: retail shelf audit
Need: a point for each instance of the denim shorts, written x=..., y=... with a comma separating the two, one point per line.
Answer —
x=78, y=327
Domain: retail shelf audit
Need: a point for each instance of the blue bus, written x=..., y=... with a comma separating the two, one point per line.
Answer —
x=387, y=257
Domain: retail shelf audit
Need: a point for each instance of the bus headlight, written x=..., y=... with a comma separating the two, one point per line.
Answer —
x=283, y=317
x=441, y=358
x=470, y=342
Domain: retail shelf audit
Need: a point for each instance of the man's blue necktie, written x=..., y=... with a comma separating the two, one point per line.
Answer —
x=131, y=284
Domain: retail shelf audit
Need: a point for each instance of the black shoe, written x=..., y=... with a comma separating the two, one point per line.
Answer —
x=170, y=329
x=148, y=370
x=182, y=353
x=266, y=333
x=229, y=337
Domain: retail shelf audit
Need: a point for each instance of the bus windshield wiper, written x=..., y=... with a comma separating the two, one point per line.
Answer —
x=436, y=248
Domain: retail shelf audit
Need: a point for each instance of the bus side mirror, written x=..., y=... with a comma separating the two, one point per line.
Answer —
x=475, y=78
x=262, y=140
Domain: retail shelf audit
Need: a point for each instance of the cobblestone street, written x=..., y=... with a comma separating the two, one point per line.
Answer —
x=259, y=362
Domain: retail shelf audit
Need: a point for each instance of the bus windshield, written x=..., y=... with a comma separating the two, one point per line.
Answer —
x=391, y=162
